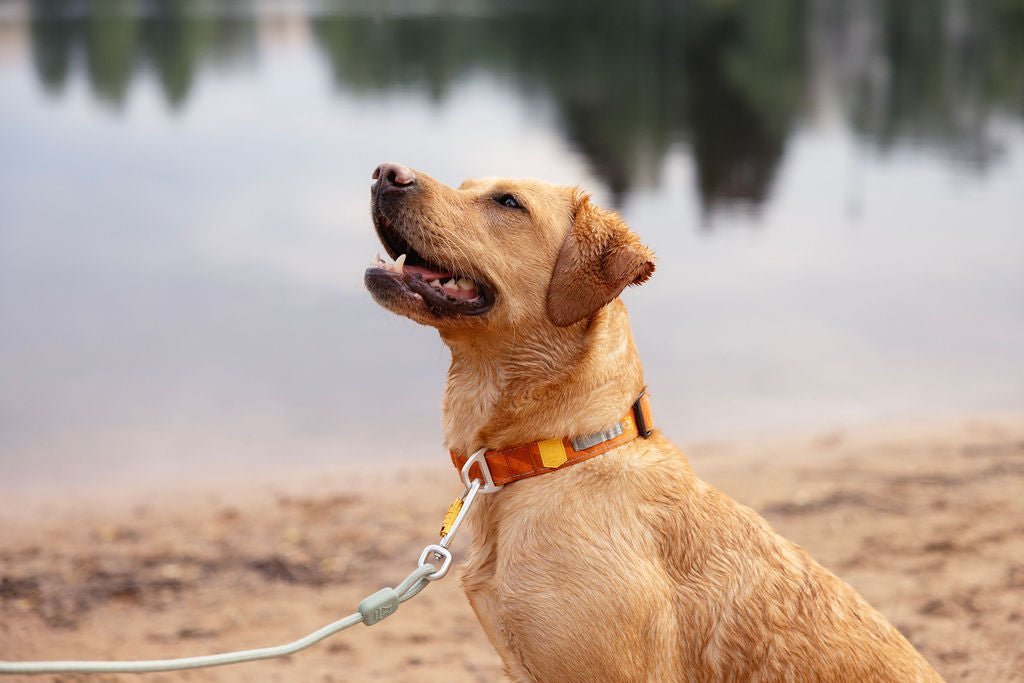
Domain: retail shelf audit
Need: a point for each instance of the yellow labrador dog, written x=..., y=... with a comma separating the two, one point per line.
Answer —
x=602, y=558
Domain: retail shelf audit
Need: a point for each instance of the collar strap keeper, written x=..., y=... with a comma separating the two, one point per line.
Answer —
x=528, y=460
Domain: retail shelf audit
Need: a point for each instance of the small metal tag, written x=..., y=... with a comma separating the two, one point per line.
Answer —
x=582, y=443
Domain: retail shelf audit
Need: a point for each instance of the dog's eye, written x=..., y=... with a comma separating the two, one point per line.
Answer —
x=508, y=201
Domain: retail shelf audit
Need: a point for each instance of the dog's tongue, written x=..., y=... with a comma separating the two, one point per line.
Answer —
x=461, y=288
x=426, y=273
x=464, y=288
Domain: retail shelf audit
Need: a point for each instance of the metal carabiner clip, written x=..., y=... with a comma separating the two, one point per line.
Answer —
x=467, y=498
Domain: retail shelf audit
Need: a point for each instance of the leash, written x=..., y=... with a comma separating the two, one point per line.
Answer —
x=371, y=610
x=485, y=471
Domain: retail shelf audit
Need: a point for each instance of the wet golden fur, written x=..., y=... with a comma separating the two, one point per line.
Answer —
x=625, y=567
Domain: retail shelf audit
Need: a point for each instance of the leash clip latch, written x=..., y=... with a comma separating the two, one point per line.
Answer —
x=479, y=460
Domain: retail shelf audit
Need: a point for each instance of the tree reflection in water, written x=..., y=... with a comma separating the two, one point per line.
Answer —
x=628, y=80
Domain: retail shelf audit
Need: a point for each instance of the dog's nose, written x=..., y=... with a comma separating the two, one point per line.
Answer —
x=394, y=177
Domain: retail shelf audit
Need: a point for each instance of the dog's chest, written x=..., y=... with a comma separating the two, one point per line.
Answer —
x=544, y=566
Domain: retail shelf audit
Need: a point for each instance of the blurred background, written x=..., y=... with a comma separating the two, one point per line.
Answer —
x=835, y=191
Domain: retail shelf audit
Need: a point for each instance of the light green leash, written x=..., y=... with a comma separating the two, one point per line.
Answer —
x=371, y=610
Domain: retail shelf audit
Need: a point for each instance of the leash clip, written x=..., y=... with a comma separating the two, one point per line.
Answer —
x=479, y=460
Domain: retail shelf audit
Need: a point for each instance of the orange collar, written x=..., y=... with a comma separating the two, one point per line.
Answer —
x=527, y=460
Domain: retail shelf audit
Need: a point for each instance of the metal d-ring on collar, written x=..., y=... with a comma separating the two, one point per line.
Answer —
x=478, y=459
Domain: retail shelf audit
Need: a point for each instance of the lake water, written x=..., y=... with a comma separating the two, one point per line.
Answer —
x=835, y=192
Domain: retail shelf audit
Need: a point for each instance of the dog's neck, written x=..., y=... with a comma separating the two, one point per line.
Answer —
x=540, y=384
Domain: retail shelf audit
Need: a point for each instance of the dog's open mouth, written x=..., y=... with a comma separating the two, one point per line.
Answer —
x=444, y=291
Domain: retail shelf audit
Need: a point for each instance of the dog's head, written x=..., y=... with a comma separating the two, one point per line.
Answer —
x=497, y=254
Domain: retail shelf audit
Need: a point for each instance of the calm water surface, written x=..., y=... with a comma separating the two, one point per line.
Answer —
x=835, y=194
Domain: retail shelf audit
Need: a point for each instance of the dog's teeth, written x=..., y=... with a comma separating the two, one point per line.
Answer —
x=399, y=264
x=435, y=283
x=451, y=284
x=466, y=283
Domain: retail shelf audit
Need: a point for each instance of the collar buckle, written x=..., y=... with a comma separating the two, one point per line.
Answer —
x=642, y=415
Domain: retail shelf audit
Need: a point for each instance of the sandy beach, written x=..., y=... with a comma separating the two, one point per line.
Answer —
x=926, y=520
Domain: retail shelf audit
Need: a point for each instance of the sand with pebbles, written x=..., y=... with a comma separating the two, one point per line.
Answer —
x=927, y=521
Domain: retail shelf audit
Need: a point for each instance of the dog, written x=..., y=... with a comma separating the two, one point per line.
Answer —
x=616, y=563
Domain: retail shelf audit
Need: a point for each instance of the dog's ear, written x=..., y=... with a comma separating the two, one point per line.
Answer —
x=598, y=259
